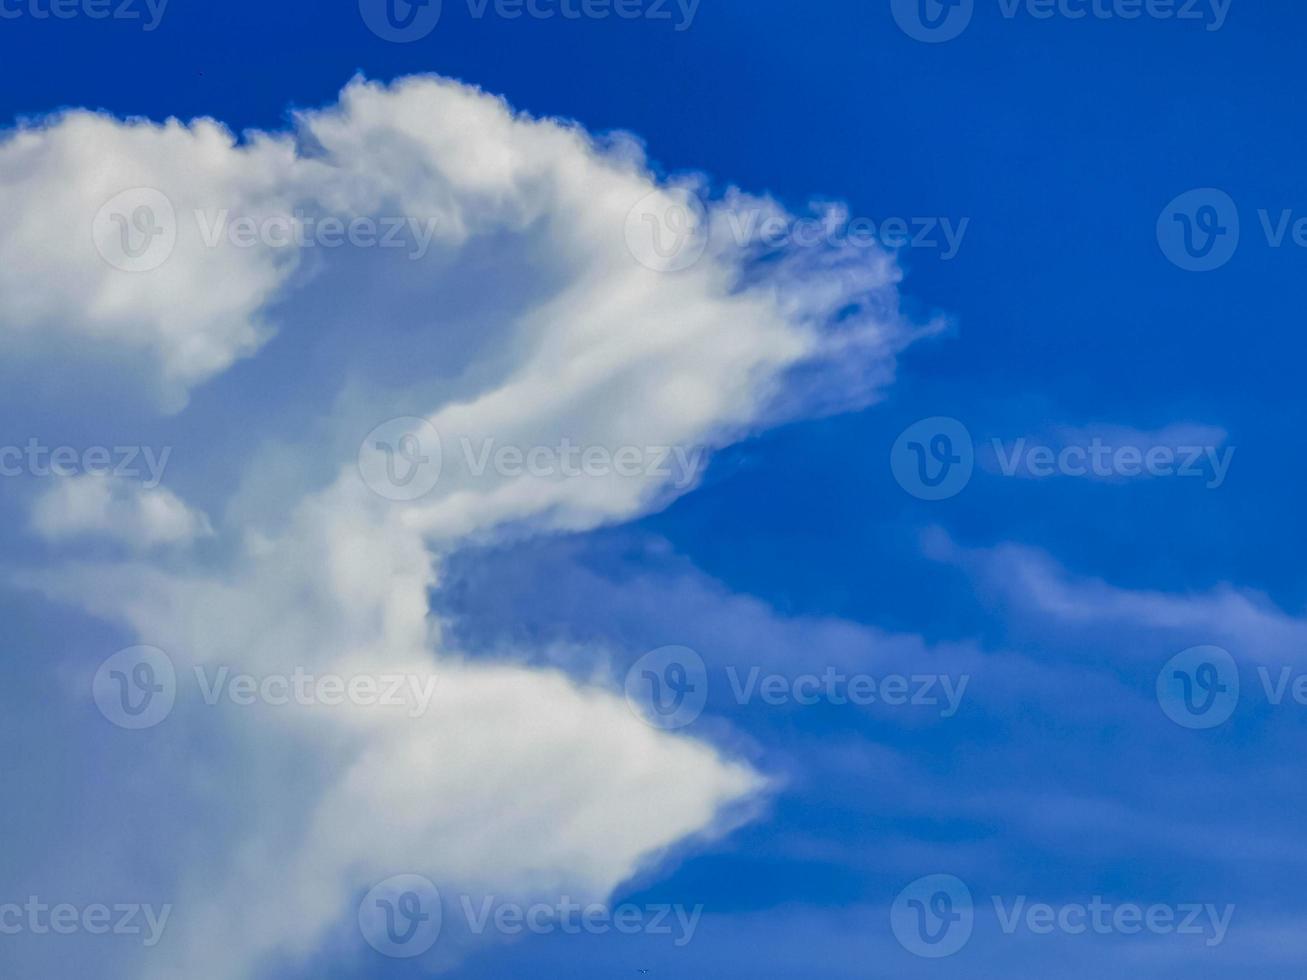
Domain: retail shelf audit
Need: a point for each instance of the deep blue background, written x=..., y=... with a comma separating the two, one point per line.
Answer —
x=1061, y=141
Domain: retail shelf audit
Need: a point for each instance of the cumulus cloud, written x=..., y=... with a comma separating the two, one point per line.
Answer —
x=527, y=323
x=194, y=314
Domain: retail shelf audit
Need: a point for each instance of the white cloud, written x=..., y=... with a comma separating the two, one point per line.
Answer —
x=117, y=509
x=197, y=312
x=1254, y=628
x=545, y=328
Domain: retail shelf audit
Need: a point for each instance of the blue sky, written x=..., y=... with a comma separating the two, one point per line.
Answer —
x=1057, y=143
